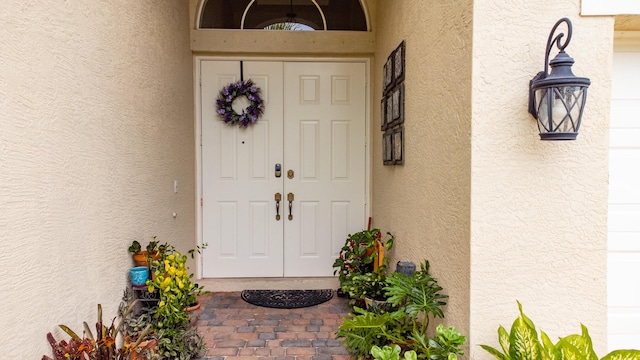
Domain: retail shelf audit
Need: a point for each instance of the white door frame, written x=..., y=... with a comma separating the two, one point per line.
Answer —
x=198, y=127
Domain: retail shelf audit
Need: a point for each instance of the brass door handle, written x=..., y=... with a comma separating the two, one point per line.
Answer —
x=290, y=199
x=278, y=197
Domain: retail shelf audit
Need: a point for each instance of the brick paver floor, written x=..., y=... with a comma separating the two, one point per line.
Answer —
x=233, y=329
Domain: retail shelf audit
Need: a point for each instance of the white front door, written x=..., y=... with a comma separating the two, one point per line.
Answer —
x=623, y=278
x=314, y=127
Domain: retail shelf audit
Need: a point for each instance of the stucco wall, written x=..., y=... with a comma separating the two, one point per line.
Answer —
x=425, y=203
x=97, y=122
x=539, y=209
x=501, y=215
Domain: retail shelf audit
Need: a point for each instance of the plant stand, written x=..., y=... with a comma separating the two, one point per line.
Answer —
x=141, y=292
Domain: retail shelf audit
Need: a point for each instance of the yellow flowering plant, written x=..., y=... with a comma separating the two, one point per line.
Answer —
x=176, y=289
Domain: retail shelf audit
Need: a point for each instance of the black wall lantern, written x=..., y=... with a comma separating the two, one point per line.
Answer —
x=557, y=99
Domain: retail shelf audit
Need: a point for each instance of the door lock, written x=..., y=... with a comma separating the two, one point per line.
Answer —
x=290, y=174
x=278, y=170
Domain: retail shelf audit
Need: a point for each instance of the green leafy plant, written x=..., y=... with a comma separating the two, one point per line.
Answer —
x=182, y=343
x=102, y=346
x=415, y=299
x=522, y=342
x=177, y=291
x=419, y=295
x=369, y=285
x=365, y=329
x=135, y=247
x=151, y=247
x=444, y=345
x=138, y=327
x=357, y=255
x=391, y=353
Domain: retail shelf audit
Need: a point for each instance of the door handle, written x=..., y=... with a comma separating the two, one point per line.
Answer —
x=278, y=197
x=290, y=199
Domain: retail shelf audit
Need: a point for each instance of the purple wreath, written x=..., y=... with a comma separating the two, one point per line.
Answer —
x=229, y=93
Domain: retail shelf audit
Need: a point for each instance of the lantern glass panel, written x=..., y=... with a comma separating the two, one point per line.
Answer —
x=542, y=107
x=567, y=102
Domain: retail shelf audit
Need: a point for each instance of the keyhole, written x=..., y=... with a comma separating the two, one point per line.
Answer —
x=243, y=142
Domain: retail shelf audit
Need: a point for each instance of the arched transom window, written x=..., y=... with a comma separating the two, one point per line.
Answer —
x=284, y=15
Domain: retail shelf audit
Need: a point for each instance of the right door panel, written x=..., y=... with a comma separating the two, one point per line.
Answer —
x=324, y=147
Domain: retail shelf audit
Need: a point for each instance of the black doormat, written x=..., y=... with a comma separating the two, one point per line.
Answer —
x=286, y=299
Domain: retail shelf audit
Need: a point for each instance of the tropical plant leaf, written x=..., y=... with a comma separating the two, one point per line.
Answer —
x=582, y=345
x=493, y=351
x=410, y=355
x=365, y=329
x=591, y=355
x=549, y=350
x=70, y=332
x=524, y=317
x=569, y=351
x=523, y=341
x=503, y=338
x=386, y=352
x=623, y=355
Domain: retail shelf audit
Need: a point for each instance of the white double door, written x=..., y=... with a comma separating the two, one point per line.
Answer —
x=259, y=222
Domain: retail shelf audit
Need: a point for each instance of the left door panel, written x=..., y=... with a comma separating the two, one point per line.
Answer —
x=238, y=178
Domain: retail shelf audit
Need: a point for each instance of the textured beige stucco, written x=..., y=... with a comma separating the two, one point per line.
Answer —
x=501, y=215
x=97, y=122
x=538, y=209
x=425, y=203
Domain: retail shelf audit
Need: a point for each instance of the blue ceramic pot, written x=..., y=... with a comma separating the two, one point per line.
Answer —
x=139, y=275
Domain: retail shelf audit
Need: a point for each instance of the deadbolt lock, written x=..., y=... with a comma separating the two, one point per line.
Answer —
x=290, y=174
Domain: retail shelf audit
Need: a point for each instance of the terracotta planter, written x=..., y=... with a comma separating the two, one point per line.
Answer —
x=193, y=312
x=151, y=345
x=140, y=258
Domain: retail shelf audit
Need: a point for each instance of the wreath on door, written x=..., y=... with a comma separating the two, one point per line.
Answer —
x=233, y=91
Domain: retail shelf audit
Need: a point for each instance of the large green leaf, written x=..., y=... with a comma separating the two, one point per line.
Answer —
x=365, y=329
x=569, y=351
x=503, y=338
x=583, y=344
x=623, y=355
x=549, y=351
x=524, y=341
x=495, y=352
x=386, y=352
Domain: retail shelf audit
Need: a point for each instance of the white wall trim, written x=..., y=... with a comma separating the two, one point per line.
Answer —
x=626, y=41
x=610, y=7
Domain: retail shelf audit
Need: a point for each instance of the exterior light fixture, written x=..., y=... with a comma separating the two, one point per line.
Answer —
x=557, y=99
x=291, y=16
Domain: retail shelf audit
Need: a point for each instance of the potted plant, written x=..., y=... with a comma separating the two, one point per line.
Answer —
x=142, y=257
x=138, y=328
x=102, y=346
x=177, y=338
x=413, y=301
x=359, y=255
x=369, y=286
